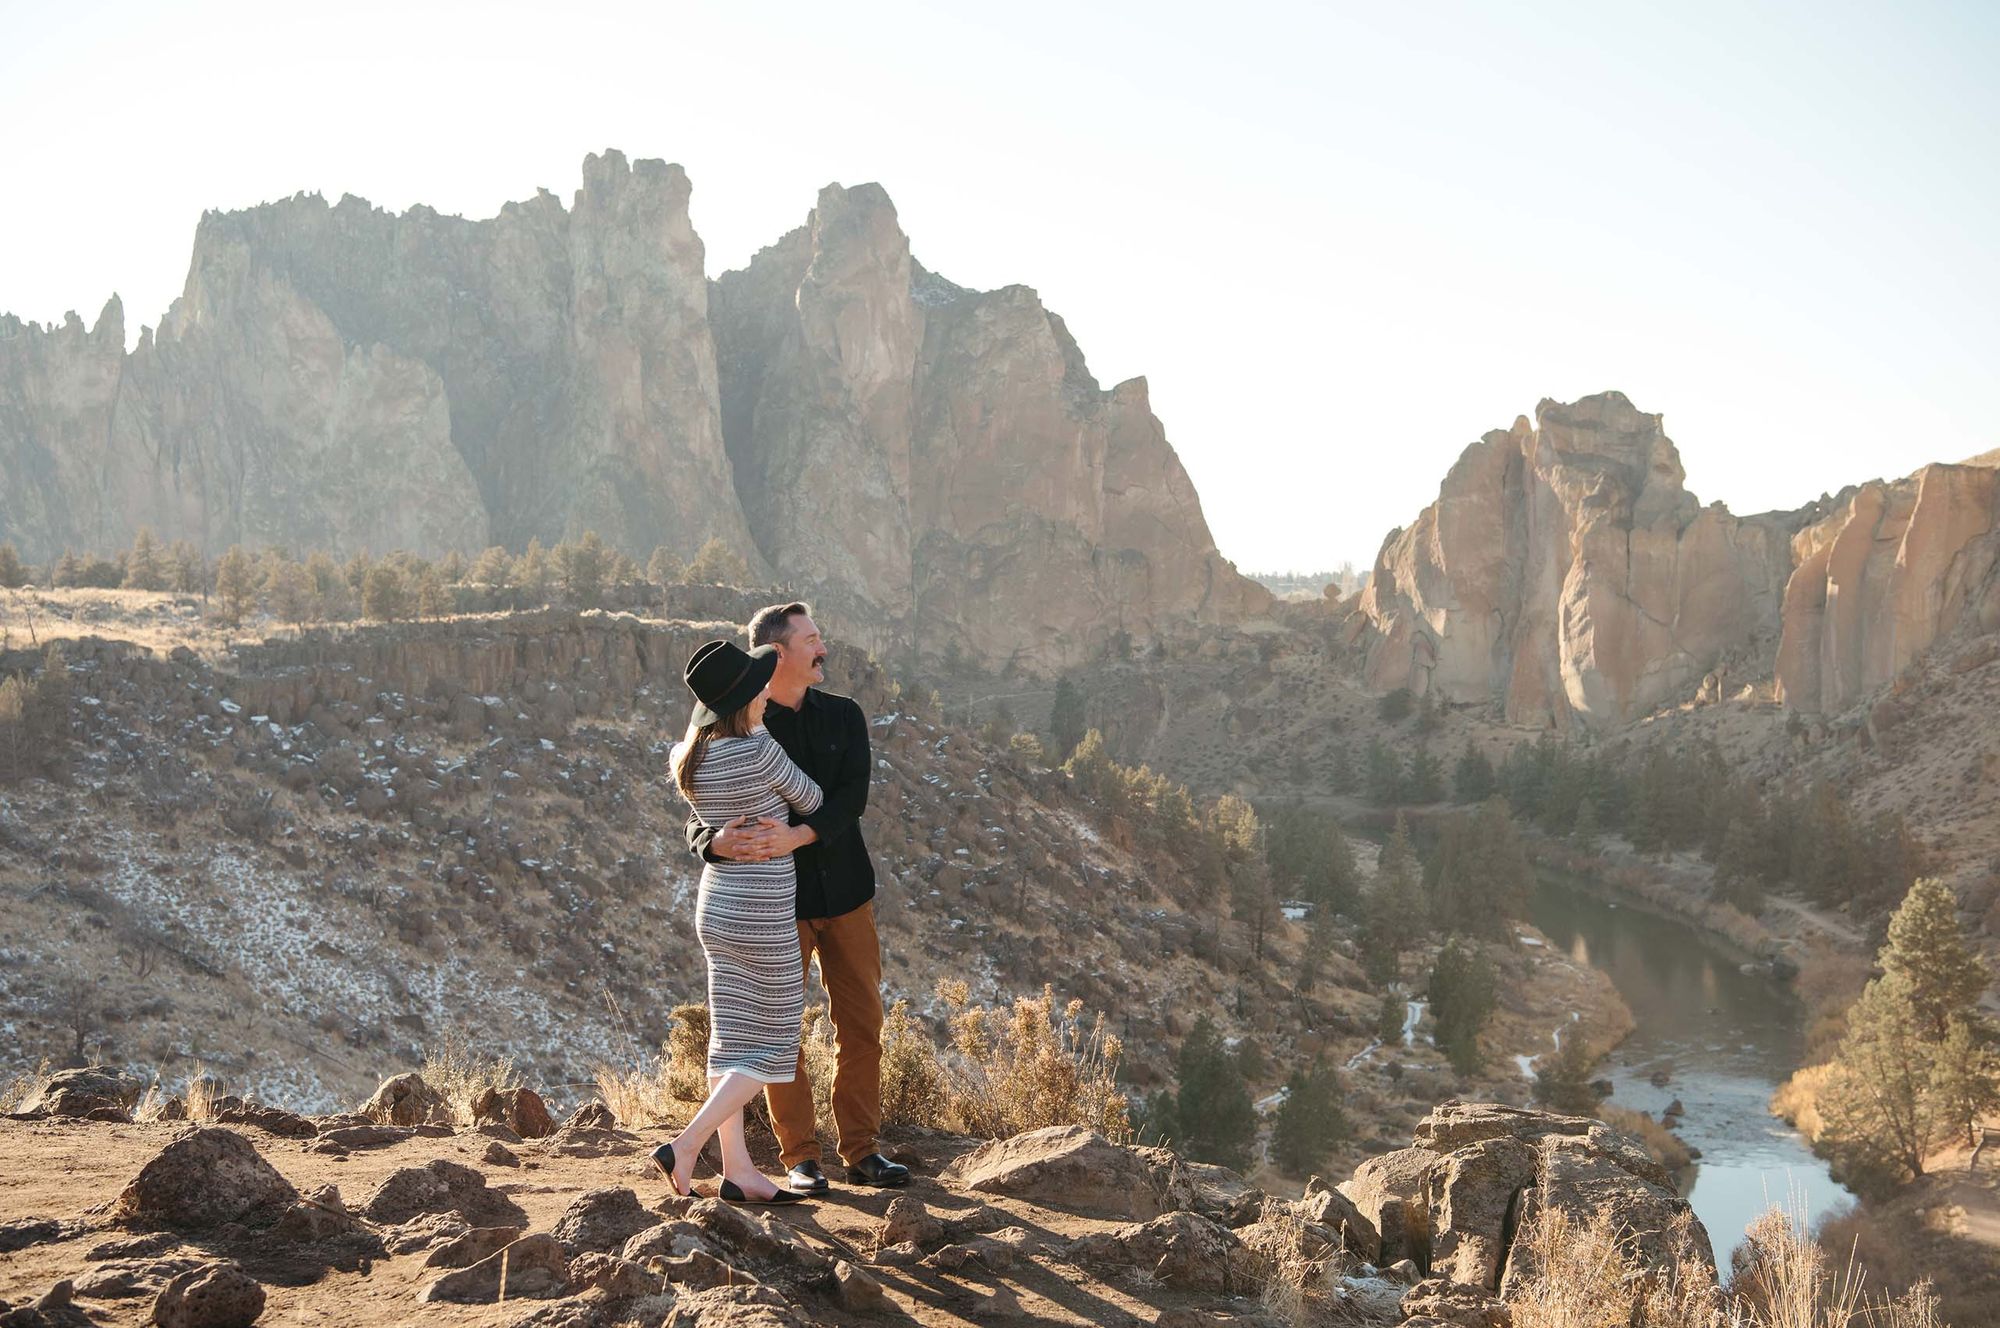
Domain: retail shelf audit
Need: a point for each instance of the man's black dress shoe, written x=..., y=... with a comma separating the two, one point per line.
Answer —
x=878, y=1170
x=733, y=1193
x=807, y=1178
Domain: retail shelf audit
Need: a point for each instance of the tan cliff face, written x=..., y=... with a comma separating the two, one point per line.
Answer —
x=1566, y=575
x=335, y=376
x=1894, y=568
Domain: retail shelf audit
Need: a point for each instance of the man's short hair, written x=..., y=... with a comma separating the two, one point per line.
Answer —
x=774, y=622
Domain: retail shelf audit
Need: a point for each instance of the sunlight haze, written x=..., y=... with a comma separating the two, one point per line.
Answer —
x=1340, y=241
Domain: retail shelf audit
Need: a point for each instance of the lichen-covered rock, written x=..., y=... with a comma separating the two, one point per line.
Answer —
x=1182, y=1250
x=1076, y=1170
x=217, y=1295
x=734, y=1307
x=1474, y=1207
x=601, y=1221
x=1388, y=1192
x=533, y=1267
x=204, y=1178
x=442, y=1186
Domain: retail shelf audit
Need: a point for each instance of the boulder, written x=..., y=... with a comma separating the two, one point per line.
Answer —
x=216, y=1295
x=1474, y=1205
x=1334, y=1210
x=207, y=1177
x=613, y=1278
x=1388, y=1193
x=760, y=1239
x=93, y=1092
x=405, y=1099
x=1182, y=1250
x=1439, y=1302
x=533, y=1267
x=601, y=1221
x=1586, y=1183
x=1075, y=1170
x=442, y=1186
x=519, y=1109
x=733, y=1307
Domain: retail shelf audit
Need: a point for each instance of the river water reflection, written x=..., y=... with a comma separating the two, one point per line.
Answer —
x=1727, y=1038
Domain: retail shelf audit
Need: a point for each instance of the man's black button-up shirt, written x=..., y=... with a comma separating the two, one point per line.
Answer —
x=827, y=737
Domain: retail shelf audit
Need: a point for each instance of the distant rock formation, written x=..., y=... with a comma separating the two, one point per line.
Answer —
x=1895, y=567
x=1565, y=574
x=339, y=377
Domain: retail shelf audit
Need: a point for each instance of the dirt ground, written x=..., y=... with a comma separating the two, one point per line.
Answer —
x=74, y=1169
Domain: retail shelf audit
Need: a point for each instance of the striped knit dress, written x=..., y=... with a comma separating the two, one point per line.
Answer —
x=746, y=916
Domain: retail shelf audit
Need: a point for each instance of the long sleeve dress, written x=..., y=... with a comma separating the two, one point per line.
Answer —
x=746, y=915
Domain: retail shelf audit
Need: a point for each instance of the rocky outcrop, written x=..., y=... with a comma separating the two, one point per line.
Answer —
x=1893, y=568
x=1477, y=1174
x=203, y=1179
x=340, y=377
x=1078, y=1170
x=1566, y=576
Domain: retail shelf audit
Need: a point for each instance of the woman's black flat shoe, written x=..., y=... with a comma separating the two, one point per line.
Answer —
x=663, y=1158
x=733, y=1193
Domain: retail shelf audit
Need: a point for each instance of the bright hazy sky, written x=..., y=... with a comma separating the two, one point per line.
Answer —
x=1340, y=240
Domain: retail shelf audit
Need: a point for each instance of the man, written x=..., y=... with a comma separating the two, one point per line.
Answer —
x=827, y=736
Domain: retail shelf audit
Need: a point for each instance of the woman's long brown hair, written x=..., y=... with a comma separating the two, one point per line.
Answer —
x=735, y=724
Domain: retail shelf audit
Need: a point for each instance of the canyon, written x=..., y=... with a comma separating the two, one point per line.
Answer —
x=335, y=376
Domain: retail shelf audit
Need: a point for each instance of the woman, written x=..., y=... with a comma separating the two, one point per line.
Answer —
x=727, y=767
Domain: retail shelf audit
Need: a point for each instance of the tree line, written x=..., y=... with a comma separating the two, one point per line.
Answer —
x=317, y=587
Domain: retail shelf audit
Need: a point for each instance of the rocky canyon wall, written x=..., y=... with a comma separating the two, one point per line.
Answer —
x=336, y=376
x=1566, y=575
x=1894, y=567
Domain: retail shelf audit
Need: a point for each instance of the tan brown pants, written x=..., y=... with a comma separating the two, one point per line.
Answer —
x=850, y=967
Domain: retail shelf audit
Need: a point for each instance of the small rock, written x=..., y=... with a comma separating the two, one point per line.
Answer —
x=23, y=1232
x=979, y=1252
x=1076, y=1170
x=500, y=1133
x=217, y=1295
x=204, y=1178
x=900, y=1256
x=857, y=1292
x=531, y=1267
x=422, y=1232
x=120, y=1279
x=134, y=1247
x=498, y=1154
x=668, y=1240
x=1405, y=1271
x=907, y=1219
x=284, y=1124
x=591, y=1116
x=342, y=1138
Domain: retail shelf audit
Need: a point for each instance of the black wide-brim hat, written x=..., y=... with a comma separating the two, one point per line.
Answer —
x=725, y=677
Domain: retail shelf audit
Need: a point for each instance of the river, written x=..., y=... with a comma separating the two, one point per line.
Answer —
x=1726, y=1037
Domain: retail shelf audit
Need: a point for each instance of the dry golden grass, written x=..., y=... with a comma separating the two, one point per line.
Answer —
x=1303, y=1285
x=200, y=1095
x=1035, y=1065
x=456, y=1072
x=1665, y=1146
x=658, y=1089
x=1581, y=1275
x=23, y=1086
x=1797, y=1100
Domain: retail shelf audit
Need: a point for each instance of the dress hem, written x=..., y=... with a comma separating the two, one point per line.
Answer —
x=757, y=1075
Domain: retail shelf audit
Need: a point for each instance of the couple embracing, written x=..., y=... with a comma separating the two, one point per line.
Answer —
x=776, y=771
